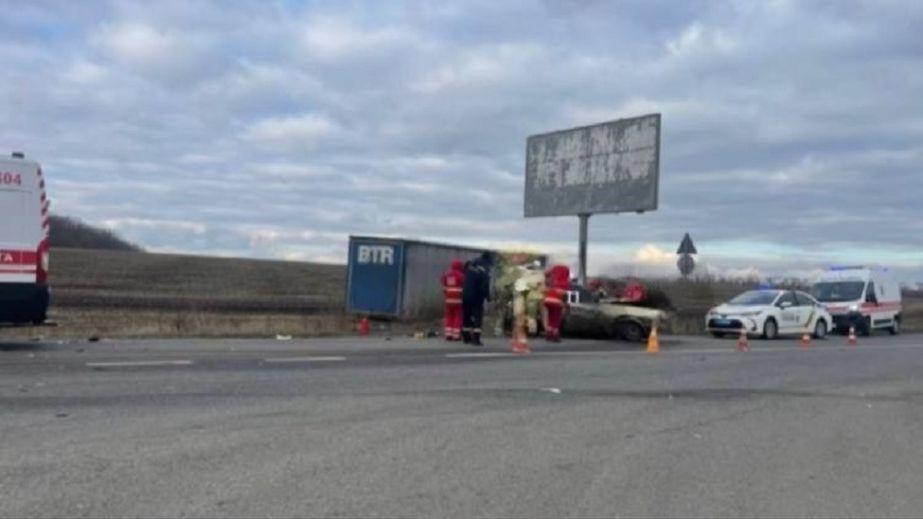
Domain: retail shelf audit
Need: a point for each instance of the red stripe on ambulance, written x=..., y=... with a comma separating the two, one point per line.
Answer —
x=14, y=257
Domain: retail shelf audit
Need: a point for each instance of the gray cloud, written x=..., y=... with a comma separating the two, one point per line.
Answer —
x=278, y=128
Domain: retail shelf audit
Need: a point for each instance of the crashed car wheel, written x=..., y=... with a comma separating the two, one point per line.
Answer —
x=631, y=331
x=717, y=335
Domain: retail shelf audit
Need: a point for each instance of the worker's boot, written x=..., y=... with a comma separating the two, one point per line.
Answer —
x=476, y=339
x=466, y=337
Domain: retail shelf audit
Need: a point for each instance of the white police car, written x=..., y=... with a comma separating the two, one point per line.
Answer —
x=770, y=313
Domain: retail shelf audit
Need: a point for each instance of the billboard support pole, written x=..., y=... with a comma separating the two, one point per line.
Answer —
x=584, y=224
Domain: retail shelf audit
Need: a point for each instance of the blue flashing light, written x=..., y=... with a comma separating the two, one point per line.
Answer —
x=836, y=268
x=765, y=286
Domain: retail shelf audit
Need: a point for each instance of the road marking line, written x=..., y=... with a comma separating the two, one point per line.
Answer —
x=138, y=363
x=600, y=353
x=477, y=355
x=555, y=390
x=305, y=359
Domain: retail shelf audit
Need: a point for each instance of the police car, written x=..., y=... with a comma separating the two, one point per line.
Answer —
x=770, y=313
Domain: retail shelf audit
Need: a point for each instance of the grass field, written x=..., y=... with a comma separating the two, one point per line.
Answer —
x=133, y=294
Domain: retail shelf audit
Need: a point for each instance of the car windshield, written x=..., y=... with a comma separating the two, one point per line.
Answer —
x=837, y=291
x=755, y=297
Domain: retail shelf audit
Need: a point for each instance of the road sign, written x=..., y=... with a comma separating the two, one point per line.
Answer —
x=611, y=167
x=685, y=264
x=686, y=246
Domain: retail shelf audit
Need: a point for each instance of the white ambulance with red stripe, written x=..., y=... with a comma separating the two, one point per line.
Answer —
x=24, y=225
x=867, y=298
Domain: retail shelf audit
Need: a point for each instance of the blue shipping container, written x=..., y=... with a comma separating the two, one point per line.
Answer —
x=392, y=277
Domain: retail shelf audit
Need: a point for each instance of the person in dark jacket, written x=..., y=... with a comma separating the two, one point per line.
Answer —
x=475, y=291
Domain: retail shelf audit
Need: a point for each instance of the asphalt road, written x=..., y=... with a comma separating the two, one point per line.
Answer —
x=353, y=427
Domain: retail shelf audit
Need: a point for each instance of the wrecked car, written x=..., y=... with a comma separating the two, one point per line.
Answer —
x=611, y=319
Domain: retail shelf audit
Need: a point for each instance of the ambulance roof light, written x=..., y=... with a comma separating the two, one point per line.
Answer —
x=836, y=268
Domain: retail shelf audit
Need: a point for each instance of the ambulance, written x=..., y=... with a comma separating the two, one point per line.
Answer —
x=867, y=298
x=24, y=225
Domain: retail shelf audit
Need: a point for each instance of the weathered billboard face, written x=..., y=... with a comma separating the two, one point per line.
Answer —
x=611, y=167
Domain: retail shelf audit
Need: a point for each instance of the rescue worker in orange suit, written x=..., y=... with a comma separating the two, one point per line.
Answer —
x=557, y=282
x=452, y=282
x=475, y=292
x=634, y=293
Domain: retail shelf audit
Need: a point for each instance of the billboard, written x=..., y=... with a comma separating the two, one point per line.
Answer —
x=611, y=167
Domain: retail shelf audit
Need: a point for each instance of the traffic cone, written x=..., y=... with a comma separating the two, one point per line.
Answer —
x=519, y=343
x=519, y=339
x=743, y=344
x=364, y=327
x=806, y=340
x=653, y=342
x=852, y=336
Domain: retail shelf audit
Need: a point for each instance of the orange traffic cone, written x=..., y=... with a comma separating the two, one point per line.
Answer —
x=519, y=343
x=519, y=339
x=653, y=342
x=852, y=336
x=806, y=340
x=743, y=344
x=364, y=327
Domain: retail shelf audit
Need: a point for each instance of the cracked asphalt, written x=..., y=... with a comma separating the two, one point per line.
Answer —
x=375, y=427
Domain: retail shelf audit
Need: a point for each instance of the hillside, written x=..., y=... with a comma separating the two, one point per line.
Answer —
x=66, y=232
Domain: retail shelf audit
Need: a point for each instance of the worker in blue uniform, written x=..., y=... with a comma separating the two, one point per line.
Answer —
x=475, y=292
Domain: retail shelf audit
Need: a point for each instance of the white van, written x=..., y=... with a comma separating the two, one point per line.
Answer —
x=865, y=297
x=24, y=225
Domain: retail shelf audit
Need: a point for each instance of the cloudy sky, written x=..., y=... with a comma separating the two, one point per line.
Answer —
x=792, y=131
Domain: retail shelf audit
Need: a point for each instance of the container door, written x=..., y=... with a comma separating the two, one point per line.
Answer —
x=375, y=276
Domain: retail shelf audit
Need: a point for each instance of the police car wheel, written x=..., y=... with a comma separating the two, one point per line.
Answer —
x=820, y=329
x=770, y=329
